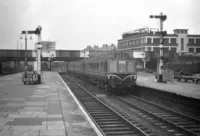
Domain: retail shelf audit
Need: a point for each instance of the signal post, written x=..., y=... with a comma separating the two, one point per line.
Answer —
x=159, y=75
x=34, y=76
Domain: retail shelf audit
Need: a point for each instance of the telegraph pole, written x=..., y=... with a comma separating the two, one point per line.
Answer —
x=162, y=18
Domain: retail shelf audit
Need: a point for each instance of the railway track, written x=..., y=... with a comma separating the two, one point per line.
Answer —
x=175, y=123
x=191, y=105
x=109, y=122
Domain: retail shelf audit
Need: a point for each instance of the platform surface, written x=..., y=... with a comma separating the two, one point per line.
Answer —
x=47, y=109
x=181, y=88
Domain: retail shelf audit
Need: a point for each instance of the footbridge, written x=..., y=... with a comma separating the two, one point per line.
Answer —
x=58, y=55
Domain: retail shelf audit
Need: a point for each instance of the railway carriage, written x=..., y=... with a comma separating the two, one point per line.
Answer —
x=115, y=72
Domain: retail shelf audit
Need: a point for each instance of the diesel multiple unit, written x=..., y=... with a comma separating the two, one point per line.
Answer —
x=115, y=72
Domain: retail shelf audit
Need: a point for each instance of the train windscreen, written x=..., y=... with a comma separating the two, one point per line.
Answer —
x=122, y=66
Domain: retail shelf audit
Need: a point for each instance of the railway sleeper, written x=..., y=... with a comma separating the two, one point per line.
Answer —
x=192, y=126
x=121, y=133
x=102, y=114
x=184, y=123
x=196, y=130
x=92, y=111
x=113, y=125
x=172, y=118
x=117, y=128
x=110, y=122
x=99, y=112
x=105, y=119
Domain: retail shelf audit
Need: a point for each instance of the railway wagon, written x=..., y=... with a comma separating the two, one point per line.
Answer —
x=115, y=72
x=186, y=68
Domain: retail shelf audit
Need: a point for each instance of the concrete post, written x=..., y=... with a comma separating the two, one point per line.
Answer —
x=39, y=52
x=1, y=68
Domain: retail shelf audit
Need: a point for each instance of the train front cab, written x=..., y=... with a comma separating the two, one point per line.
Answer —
x=122, y=74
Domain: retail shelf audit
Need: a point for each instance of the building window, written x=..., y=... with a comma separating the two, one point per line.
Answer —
x=141, y=41
x=130, y=43
x=197, y=41
x=149, y=40
x=173, y=40
x=191, y=41
x=156, y=40
x=173, y=49
x=197, y=50
x=166, y=40
x=137, y=42
x=182, y=44
x=119, y=45
x=148, y=48
x=155, y=49
x=191, y=50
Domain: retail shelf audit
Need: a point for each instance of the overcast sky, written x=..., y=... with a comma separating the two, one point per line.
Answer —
x=74, y=24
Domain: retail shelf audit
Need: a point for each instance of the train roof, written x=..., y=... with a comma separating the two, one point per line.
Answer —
x=115, y=55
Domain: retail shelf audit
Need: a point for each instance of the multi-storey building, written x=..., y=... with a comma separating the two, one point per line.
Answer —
x=148, y=40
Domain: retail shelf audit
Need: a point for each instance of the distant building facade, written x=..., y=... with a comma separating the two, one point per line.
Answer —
x=144, y=44
x=96, y=50
x=147, y=40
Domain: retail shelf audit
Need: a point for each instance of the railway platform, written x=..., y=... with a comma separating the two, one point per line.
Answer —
x=188, y=89
x=47, y=109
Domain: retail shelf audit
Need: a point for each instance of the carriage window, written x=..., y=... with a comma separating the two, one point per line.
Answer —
x=131, y=66
x=105, y=66
x=121, y=66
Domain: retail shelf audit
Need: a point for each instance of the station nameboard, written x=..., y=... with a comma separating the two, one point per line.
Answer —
x=48, y=45
x=138, y=54
x=49, y=49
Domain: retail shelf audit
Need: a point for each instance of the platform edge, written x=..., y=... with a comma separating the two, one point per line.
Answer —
x=79, y=105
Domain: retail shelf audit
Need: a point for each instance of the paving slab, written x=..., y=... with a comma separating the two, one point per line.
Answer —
x=181, y=88
x=47, y=109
